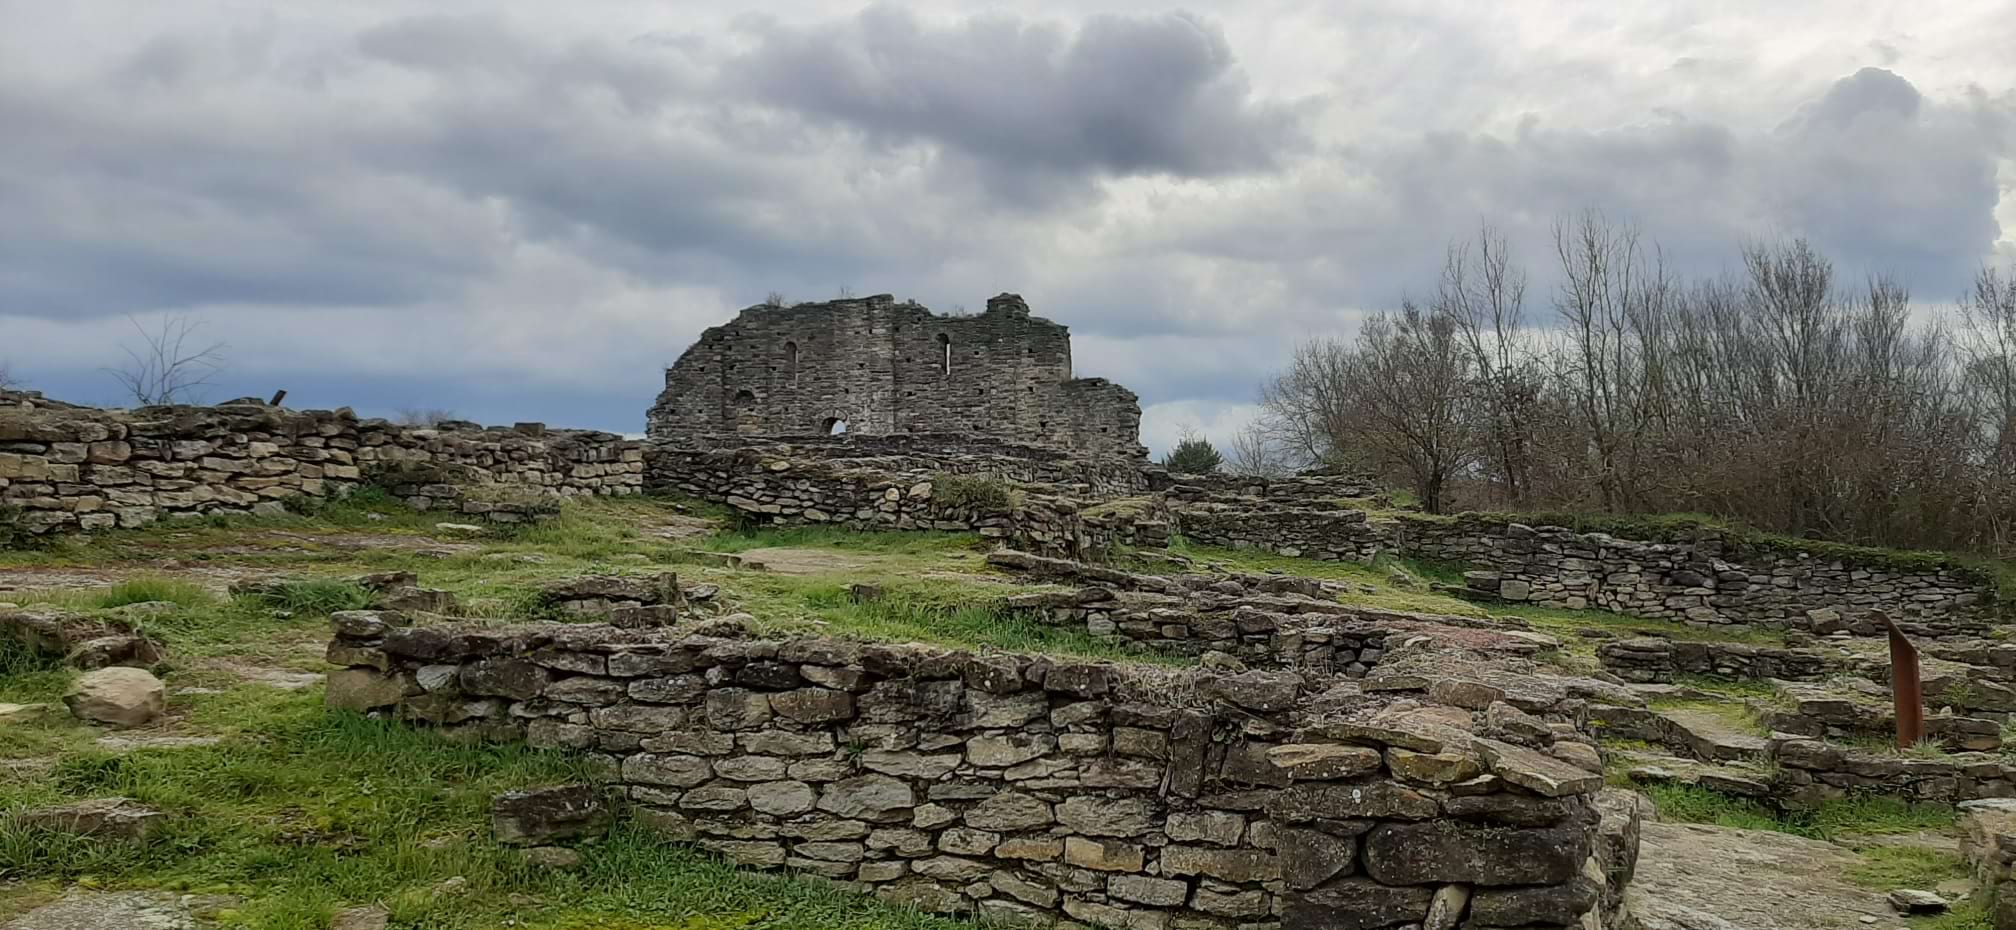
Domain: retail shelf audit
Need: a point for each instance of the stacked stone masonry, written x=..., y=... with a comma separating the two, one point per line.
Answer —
x=876, y=366
x=767, y=488
x=64, y=467
x=1703, y=581
x=1042, y=790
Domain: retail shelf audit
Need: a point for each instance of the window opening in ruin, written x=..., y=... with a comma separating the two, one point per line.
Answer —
x=744, y=398
x=834, y=426
x=945, y=354
x=791, y=361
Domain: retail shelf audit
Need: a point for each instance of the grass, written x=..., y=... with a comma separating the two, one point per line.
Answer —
x=1884, y=868
x=1858, y=815
x=314, y=596
x=305, y=811
x=837, y=537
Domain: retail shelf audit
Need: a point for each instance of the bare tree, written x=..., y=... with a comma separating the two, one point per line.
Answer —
x=171, y=365
x=1391, y=404
x=1254, y=453
x=7, y=380
x=774, y=299
x=413, y=416
x=1484, y=295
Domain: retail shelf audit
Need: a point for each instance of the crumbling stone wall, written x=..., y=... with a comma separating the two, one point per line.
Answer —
x=64, y=467
x=1705, y=581
x=875, y=366
x=1031, y=788
x=1097, y=478
x=768, y=488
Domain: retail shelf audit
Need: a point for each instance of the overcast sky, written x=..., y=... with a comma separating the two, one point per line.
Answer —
x=525, y=210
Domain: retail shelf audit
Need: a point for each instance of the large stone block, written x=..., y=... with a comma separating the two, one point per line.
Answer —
x=1459, y=851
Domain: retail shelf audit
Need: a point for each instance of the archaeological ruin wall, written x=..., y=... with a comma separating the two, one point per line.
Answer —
x=768, y=485
x=873, y=366
x=1030, y=789
x=1709, y=579
x=65, y=467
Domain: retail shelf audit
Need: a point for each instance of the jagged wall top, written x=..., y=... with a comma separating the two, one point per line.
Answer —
x=874, y=366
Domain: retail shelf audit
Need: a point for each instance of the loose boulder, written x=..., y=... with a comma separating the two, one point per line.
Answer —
x=544, y=816
x=117, y=697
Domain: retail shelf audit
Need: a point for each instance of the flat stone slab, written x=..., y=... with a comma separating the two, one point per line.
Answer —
x=1713, y=739
x=118, y=910
x=1698, y=877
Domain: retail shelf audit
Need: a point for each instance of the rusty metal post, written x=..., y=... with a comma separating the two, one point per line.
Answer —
x=1907, y=689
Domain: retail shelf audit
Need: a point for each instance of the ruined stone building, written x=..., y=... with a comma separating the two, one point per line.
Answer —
x=873, y=366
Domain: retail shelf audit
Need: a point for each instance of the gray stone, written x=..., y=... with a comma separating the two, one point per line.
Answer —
x=542, y=816
x=1356, y=904
x=874, y=798
x=1311, y=857
x=1010, y=811
x=126, y=697
x=1095, y=816
x=1458, y=851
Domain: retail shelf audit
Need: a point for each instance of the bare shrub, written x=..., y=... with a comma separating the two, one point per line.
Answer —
x=171, y=364
x=414, y=416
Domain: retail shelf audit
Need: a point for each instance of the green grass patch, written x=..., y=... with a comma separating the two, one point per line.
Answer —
x=840, y=537
x=308, y=811
x=1857, y=815
x=985, y=493
x=1884, y=868
x=314, y=596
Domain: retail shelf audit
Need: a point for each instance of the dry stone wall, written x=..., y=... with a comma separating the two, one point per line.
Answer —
x=1707, y=581
x=1036, y=789
x=767, y=488
x=876, y=366
x=66, y=468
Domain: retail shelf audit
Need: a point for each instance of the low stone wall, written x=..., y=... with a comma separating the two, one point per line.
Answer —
x=1650, y=659
x=1034, y=789
x=1091, y=477
x=65, y=468
x=768, y=487
x=1705, y=581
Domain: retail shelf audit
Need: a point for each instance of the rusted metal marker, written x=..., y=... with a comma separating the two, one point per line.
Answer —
x=1907, y=690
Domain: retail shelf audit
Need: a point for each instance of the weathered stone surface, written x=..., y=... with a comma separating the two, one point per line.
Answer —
x=874, y=798
x=1377, y=799
x=543, y=816
x=782, y=798
x=1356, y=904
x=1458, y=851
x=117, y=697
x=1542, y=904
x=1009, y=811
x=1094, y=816
x=1323, y=761
x=1537, y=772
x=1311, y=857
x=1436, y=768
x=112, y=818
x=1104, y=855
x=1232, y=865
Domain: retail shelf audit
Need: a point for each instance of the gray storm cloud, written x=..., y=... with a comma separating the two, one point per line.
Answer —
x=482, y=175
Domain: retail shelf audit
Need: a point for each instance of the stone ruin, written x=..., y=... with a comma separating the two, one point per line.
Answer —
x=875, y=367
x=1041, y=790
